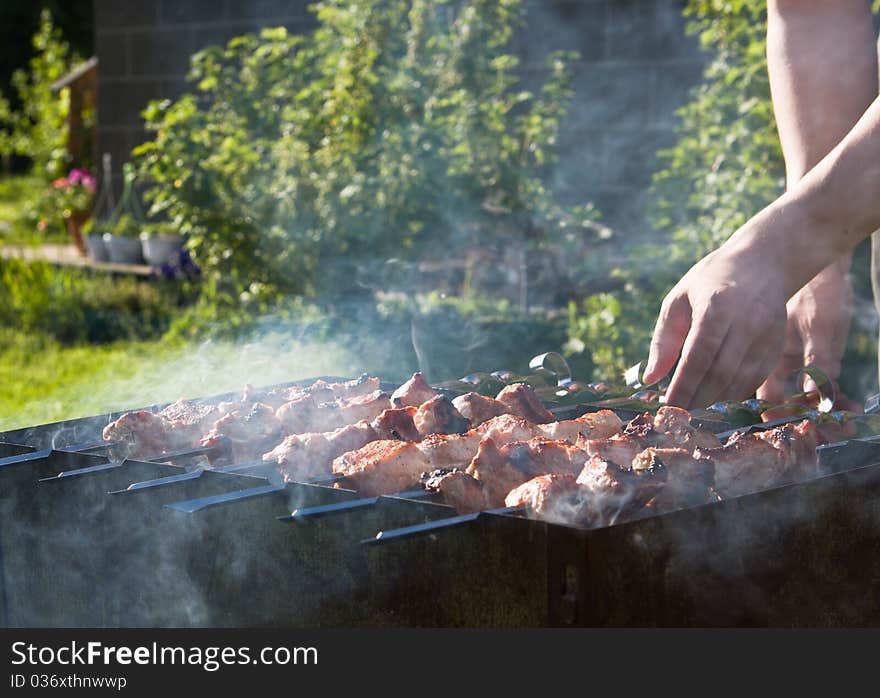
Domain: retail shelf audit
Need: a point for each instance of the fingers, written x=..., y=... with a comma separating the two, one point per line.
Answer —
x=699, y=359
x=670, y=331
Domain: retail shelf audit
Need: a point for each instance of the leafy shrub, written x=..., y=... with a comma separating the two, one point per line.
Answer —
x=395, y=129
x=38, y=129
x=73, y=307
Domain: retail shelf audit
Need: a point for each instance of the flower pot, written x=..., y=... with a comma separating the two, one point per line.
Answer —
x=97, y=249
x=123, y=250
x=161, y=249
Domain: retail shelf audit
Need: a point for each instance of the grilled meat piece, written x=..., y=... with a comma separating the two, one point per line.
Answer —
x=753, y=462
x=689, y=479
x=137, y=435
x=593, y=425
x=382, y=467
x=503, y=468
x=305, y=415
x=457, y=450
x=676, y=423
x=397, y=423
x=522, y=401
x=458, y=489
x=616, y=492
x=602, y=494
x=187, y=421
x=669, y=428
x=413, y=393
x=479, y=408
x=248, y=431
x=306, y=456
x=554, y=497
x=439, y=416
x=321, y=391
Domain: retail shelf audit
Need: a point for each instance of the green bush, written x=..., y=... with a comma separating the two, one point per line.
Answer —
x=394, y=130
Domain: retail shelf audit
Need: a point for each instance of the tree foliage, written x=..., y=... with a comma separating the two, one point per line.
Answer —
x=395, y=129
x=38, y=128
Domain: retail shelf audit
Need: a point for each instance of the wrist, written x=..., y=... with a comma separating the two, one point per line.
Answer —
x=790, y=244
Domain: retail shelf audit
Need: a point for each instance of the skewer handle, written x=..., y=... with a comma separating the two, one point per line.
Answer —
x=431, y=526
x=342, y=507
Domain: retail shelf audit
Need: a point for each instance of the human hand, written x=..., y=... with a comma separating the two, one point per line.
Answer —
x=818, y=320
x=726, y=317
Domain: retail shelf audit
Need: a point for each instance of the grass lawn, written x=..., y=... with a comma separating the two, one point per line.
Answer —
x=41, y=381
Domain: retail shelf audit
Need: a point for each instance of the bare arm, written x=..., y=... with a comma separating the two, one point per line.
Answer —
x=822, y=61
x=727, y=314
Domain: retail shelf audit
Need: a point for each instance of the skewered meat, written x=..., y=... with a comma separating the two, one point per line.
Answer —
x=689, y=479
x=306, y=456
x=522, y=401
x=556, y=498
x=751, y=462
x=593, y=425
x=503, y=468
x=413, y=393
x=669, y=428
x=305, y=414
x=397, y=423
x=447, y=451
x=602, y=494
x=188, y=420
x=247, y=430
x=321, y=391
x=479, y=408
x=383, y=467
x=137, y=434
x=439, y=416
x=458, y=489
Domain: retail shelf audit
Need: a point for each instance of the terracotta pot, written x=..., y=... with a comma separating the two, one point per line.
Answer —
x=74, y=228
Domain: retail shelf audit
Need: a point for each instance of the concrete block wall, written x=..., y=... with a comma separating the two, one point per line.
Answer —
x=635, y=69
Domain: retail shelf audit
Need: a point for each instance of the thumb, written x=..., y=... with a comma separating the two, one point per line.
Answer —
x=670, y=332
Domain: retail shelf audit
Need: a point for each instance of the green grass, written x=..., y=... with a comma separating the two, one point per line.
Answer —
x=42, y=381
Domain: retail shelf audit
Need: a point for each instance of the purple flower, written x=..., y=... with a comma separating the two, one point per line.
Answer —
x=83, y=177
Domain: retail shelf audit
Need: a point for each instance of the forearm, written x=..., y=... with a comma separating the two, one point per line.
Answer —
x=826, y=213
x=822, y=61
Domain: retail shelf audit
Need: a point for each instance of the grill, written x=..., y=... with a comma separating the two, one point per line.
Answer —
x=85, y=541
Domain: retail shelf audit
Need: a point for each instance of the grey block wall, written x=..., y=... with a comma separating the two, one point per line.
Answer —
x=635, y=70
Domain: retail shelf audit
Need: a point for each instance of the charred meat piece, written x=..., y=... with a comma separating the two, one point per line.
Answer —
x=619, y=492
x=556, y=498
x=188, y=420
x=306, y=456
x=478, y=408
x=798, y=442
x=305, y=415
x=413, y=393
x=397, y=423
x=383, y=467
x=752, y=462
x=746, y=463
x=439, y=416
x=522, y=401
x=458, y=450
x=137, y=435
x=321, y=391
x=503, y=468
x=676, y=423
x=593, y=425
x=458, y=489
x=248, y=431
x=689, y=479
